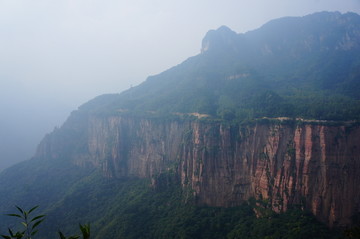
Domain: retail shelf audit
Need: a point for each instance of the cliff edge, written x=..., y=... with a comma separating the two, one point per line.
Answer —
x=313, y=166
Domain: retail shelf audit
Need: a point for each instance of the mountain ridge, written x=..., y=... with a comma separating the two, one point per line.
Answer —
x=250, y=145
x=247, y=67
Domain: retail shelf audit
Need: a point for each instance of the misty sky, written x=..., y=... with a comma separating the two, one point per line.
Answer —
x=58, y=54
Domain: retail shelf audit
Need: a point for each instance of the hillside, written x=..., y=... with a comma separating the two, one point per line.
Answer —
x=256, y=136
x=304, y=67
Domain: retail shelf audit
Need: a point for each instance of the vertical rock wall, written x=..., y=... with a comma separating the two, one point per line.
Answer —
x=315, y=166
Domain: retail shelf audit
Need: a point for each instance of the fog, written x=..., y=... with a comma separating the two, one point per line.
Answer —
x=56, y=55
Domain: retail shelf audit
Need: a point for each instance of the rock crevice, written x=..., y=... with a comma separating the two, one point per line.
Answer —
x=311, y=165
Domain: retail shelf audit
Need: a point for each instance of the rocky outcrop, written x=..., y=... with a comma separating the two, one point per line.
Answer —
x=312, y=165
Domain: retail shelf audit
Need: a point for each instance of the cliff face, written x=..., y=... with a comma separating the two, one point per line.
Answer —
x=312, y=165
x=315, y=166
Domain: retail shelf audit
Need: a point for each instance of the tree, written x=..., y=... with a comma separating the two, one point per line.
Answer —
x=31, y=223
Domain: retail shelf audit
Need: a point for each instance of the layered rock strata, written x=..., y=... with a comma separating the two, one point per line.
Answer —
x=315, y=166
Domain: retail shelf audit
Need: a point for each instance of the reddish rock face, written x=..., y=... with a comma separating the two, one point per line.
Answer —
x=315, y=166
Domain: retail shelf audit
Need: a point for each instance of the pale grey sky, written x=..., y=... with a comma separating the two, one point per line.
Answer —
x=57, y=54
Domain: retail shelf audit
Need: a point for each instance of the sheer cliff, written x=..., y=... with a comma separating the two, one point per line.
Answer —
x=272, y=114
x=190, y=120
x=312, y=165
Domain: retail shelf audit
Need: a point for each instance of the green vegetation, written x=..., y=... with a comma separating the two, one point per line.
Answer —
x=85, y=230
x=31, y=224
x=241, y=94
x=238, y=80
x=131, y=208
x=268, y=73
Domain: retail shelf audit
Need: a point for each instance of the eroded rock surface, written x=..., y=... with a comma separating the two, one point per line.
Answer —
x=312, y=165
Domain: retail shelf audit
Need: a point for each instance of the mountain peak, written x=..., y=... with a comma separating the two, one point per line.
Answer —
x=299, y=59
x=219, y=38
x=321, y=31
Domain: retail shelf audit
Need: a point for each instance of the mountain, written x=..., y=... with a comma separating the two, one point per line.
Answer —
x=308, y=66
x=258, y=131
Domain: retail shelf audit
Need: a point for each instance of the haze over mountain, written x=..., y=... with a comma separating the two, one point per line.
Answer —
x=265, y=123
x=291, y=67
x=57, y=55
